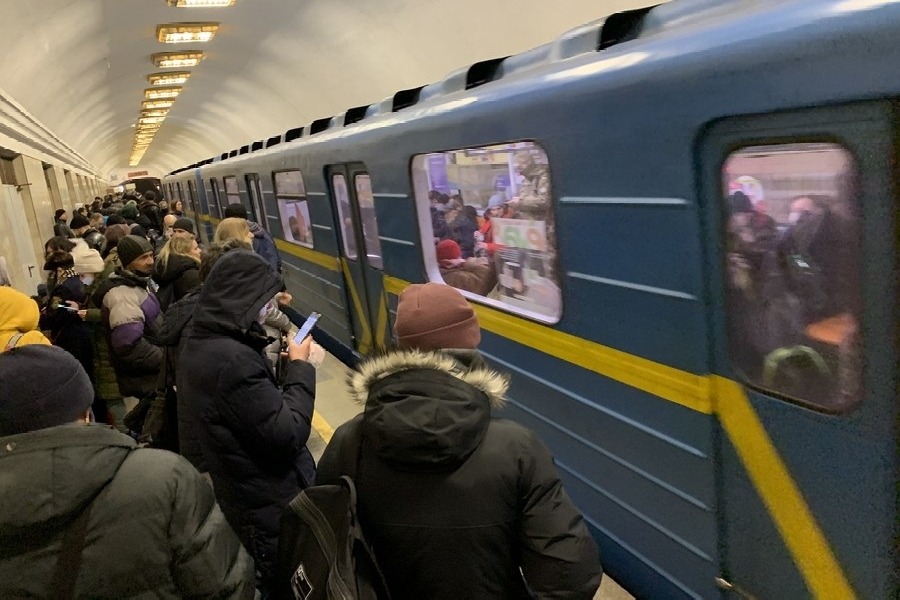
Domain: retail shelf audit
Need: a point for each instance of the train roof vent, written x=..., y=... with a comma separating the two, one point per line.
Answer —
x=483, y=72
x=257, y=145
x=355, y=114
x=580, y=40
x=223, y=156
x=273, y=141
x=622, y=27
x=406, y=98
x=244, y=150
x=525, y=61
x=232, y=153
x=291, y=134
x=319, y=125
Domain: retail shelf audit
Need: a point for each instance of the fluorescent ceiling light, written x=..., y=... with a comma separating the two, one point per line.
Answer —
x=173, y=78
x=150, y=120
x=179, y=33
x=161, y=92
x=200, y=3
x=156, y=104
x=154, y=113
x=168, y=60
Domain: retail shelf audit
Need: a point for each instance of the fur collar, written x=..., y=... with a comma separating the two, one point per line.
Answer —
x=490, y=382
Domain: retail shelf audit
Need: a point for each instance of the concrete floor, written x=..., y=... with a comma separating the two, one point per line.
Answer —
x=334, y=407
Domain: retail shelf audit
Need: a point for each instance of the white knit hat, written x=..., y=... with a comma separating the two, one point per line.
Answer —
x=87, y=260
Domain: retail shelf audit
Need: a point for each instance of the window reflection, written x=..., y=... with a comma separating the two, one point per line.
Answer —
x=793, y=257
x=492, y=224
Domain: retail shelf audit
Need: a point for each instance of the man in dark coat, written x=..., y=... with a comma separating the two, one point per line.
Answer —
x=151, y=526
x=456, y=504
x=263, y=244
x=252, y=433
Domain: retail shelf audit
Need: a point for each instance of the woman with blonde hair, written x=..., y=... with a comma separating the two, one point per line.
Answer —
x=177, y=270
x=234, y=228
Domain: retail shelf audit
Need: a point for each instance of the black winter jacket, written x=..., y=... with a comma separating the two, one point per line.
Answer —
x=454, y=502
x=172, y=335
x=154, y=529
x=253, y=434
x=181, y=275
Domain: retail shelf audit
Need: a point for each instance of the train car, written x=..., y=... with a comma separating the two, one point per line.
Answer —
x=692, y=277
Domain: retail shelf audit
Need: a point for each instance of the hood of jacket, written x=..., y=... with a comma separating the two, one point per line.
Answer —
x=175, y=268
x=256, y=229
x=48, y=476
x=177, y=318
x=119, y=277
x=19, y=314
x=235, y=291
x=427, y=411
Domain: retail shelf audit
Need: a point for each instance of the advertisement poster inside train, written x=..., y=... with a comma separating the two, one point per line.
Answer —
x=295, y=221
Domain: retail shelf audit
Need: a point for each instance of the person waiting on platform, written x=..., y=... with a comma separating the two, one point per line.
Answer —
x=455, y=503
x=253, y=433
x=263, y=244
x=87, y=514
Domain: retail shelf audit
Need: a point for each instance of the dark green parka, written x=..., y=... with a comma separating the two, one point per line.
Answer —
x=154, y=530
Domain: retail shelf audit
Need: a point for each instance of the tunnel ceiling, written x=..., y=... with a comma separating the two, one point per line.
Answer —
x=80, y=67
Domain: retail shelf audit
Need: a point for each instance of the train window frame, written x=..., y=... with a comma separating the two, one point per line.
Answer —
x=547, y=260
x=342, y=202
x=231, y=197
x=217, y=196
x=370, y=256
x=299, y=200
x=851, y=172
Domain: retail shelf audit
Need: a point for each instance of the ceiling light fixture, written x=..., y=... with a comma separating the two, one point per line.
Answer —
x=178, y=33
x=150, y=120
x=154, y=113
x=156, y=104
x=168, y=60
x=161, y=92
x=173, y=78
x=200, y=3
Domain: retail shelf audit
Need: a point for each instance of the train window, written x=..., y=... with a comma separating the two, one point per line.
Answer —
x=793, y=264
x=232, y=194
x=217, y=198
x=489, y=212
x=293, y=207
x=363, y=184
x=342, y=197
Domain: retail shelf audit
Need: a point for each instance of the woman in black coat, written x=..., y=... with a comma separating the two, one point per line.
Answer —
x=177, y=270
x=252, y=432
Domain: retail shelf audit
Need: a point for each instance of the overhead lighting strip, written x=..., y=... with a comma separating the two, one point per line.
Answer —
x=179, y=33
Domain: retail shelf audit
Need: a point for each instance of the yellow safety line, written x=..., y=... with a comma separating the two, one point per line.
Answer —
x=804, y=538
x=322, y=427
x=366, y=340
x=381, y=334
x=318, y=258
x=709, y=395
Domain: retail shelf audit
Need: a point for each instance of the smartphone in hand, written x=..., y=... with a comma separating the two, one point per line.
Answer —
x=306, y=327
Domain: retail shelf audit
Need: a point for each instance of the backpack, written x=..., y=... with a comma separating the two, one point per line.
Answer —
x=322, y=553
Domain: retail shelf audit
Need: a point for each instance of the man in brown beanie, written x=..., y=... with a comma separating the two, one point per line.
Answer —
x=455, y=503
x=85, y=513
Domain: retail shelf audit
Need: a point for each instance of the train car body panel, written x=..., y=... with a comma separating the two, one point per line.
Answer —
x=693, y=479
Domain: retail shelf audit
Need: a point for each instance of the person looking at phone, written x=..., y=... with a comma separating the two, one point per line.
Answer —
x=252, y=431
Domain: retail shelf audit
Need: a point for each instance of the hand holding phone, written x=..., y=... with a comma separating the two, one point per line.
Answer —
x=306, y=327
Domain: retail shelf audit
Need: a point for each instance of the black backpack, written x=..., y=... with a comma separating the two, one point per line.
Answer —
x=322, y=553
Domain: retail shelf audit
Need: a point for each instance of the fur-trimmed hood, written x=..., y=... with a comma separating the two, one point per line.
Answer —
x=465, y=365
x=427, y=410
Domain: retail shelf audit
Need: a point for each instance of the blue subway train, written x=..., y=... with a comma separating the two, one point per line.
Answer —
x=679, y=229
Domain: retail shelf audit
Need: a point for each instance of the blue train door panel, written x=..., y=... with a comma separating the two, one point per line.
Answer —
x=360, y=248
x=804, y=300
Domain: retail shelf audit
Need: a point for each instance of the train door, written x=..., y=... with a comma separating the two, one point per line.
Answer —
x=805, y=330
x=360, y=247
x=256, y=202
x=219, y=212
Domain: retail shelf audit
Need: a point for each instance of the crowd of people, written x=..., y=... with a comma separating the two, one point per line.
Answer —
x=155, y=410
